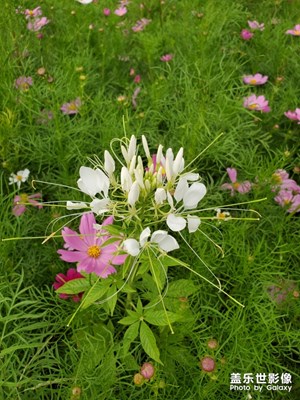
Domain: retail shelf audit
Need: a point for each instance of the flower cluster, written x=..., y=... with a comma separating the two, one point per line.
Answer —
x=254, y=26
x=23, y=83
x=288, y=195
x=35, y=19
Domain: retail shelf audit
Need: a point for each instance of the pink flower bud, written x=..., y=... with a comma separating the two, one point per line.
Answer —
x=147, y=370
x=246, y=35
x=208, y=364
x=106, y=12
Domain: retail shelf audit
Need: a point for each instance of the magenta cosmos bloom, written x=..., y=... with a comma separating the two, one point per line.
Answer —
x=241, y=187
x=72, y=107
x=120, y=11
x=257, y=103
x=257, y=79
x=287, y=199
x=256, y=25
x=61, y=279
x=140, y=24
x=22, y=200
x=167, y=57
x=37, y=24
x=294, y=115
x=246, y=35
x=36, y=12
x=295, y=31
x=23, y=83
x=88, y=248
x=281, y=181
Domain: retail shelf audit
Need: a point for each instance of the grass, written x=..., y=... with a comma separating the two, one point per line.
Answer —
x=186, y=102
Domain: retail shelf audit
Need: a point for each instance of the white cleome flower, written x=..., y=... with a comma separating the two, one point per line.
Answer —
x=164, y=241
x=20, y=176
x=100, y=206
x=109, y=163
x=93, y=181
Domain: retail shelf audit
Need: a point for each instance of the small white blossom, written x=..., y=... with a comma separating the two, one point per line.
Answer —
x=160, y=195
x=175, y=223
x=134, y=194
x=93, y=181
x=193, y=223
x=109, y=163
x=99, y=206
x=20, y=176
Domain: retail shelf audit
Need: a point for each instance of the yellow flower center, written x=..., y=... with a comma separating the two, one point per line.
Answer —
x=72, y=107
x=23, y=198
x=94, y=251
x=19, y=177
x=236, y=185
x=253, y=81
x=286, y=202
x=221, y=215
x=297, y=32
x=277, y=178
x=252, y=106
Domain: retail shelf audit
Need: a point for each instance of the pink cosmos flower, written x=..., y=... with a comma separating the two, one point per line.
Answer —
x=23, y=83
x=257, y=103
x=72, y=107
x=89, y=248
x=22, y=200
x=61, y=279
x=241, y=187
x=286, y=198
x=295, y=31
x=37, y=24
x=281, y=180
x=106, y=12
x=257, y=79
x=137, y=79
x=294, y=115
x=141, y=24
x=36, y=12
x=167, y=57
x=120, y=11
x=256, y=25
x=246, y=35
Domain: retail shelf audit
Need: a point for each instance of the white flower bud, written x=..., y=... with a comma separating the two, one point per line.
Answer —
x=160, y=195
x=146, y=148
x=134, y=194
x=109, y=163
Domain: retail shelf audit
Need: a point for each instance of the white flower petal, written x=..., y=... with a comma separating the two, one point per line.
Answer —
x=126, y=181
x=133, y=194
x=144, y=236
x=75, y=206
x=99, y=206
x=85, y=1
x=175, y=223
x=109, y=163
x=131, y=246
x=131, y=147
x=165, y=242
x=195, y=193
x=178, y=161
x=146, y=148
x=193, y=223
x=191, y=176
x=93, y=181
x=160, y=195
x=170, y=200
x=181, y=188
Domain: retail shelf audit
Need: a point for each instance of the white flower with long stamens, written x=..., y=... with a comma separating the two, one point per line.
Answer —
x=20, y=176
x=93, y=181
x=164, y=241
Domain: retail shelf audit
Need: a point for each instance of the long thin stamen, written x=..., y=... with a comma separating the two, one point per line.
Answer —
x=53, y=184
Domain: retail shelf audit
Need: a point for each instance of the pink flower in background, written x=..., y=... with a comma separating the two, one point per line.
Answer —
x=257, y=103
x=88, y=248
x=33, y=13
x=37, y=24
x=294, y=115
x=147, y=370
x=246, y=35
x=22, y=200
x=140, y=25
x=286, y=198
x=23, y=83
x=241, y=187
x=281, y=180
x=120, y=11
x=256, y=25
x=257, y=79
x=72, y=107
x=137, y=79
x=167, y=57
x=61, y=279
x=295, y=31
x=106, y=12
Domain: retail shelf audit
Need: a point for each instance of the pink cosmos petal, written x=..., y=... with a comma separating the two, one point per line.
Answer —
x=18, y=210
x=86, y=265
x=86, y=228
x=108, y=221
x=73, y=240
x=119, y=260
x=244, y=187
x=232, y=173
x=104, y=271
x=71, y=256
x=295, y=207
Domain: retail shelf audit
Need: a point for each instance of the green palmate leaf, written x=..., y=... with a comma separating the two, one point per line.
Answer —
x=148, y=342
x=161, y=318
x=158, y=272
x=129, y=336
x=182, y=288
x=169, y=261
x=95, y=293
x=112, y=299
x=129, y=320
x=75, y=286
x=143, y=267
